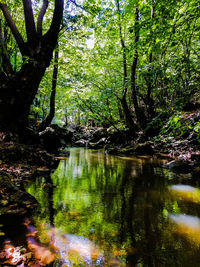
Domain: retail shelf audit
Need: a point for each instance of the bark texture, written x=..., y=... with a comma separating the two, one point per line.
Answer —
x=18, y=89
x=126, y=110
x=51, y=114
x=140, y=115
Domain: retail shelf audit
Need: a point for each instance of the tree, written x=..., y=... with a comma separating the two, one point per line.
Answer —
x=51, y=114
x=127, y=113
x=124, y=62
x=18, y=88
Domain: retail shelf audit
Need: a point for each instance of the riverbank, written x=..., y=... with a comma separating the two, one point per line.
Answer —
x=19, y=164
x=176, y=141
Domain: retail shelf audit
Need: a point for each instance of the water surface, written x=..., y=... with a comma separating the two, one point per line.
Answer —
x=104, y=210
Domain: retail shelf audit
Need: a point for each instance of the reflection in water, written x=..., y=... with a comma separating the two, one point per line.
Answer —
x=186, y=192
x=187, y=225
x=68, y=248
x=41, y=253
x=112, y=211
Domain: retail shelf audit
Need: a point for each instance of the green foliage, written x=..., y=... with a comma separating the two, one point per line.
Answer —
x=197, y=130
x=157, y=123
x=91, y=74
x=181, y=124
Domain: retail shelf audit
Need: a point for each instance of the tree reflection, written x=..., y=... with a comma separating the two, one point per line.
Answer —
x=120, y=204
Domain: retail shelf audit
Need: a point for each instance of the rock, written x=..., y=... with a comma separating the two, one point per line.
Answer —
x=97, y=145
x=144, y=149
x=99, y=133
x=195, y=157
x=80, y=133
x=161, y=155
x=138, y=150
x=50, y=139
x=179, y=166
x=81, y=143
x=111, y=130
x=112, y=150
x=117, y=137
x=65, y=135
x=54, y=137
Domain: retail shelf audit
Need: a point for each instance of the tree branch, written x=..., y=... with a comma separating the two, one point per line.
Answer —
x=79, y=6
x=53, y=32
x=29, y=21
x=41, y=16
x=12, y=26
x=96, y=111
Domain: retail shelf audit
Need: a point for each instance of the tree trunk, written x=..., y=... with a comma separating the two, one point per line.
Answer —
x=51, y=114
x=17, y=94
x=120, y=110
x=128, y=116
x=19, y=89
x=149, y=100
x=141, y=118
x=127, y=113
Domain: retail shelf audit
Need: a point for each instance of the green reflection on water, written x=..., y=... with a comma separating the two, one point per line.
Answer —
x=121, y=204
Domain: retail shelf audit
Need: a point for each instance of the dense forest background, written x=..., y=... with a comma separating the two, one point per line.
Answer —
x=118, y=75
x=128, y=64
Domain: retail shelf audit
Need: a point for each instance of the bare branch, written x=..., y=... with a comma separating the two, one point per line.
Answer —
x=29, y=21
x=41, y=16
x=12, y=26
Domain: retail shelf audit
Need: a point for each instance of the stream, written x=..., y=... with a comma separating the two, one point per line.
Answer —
x=105, y=210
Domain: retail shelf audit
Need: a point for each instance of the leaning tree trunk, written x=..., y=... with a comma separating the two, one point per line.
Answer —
x=51, y=114
x=18, y=89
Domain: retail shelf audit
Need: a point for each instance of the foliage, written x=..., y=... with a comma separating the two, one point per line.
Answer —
x=182, y=124
x=91, y=71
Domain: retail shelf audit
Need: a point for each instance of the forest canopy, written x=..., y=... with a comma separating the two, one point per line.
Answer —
x=121, y=63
